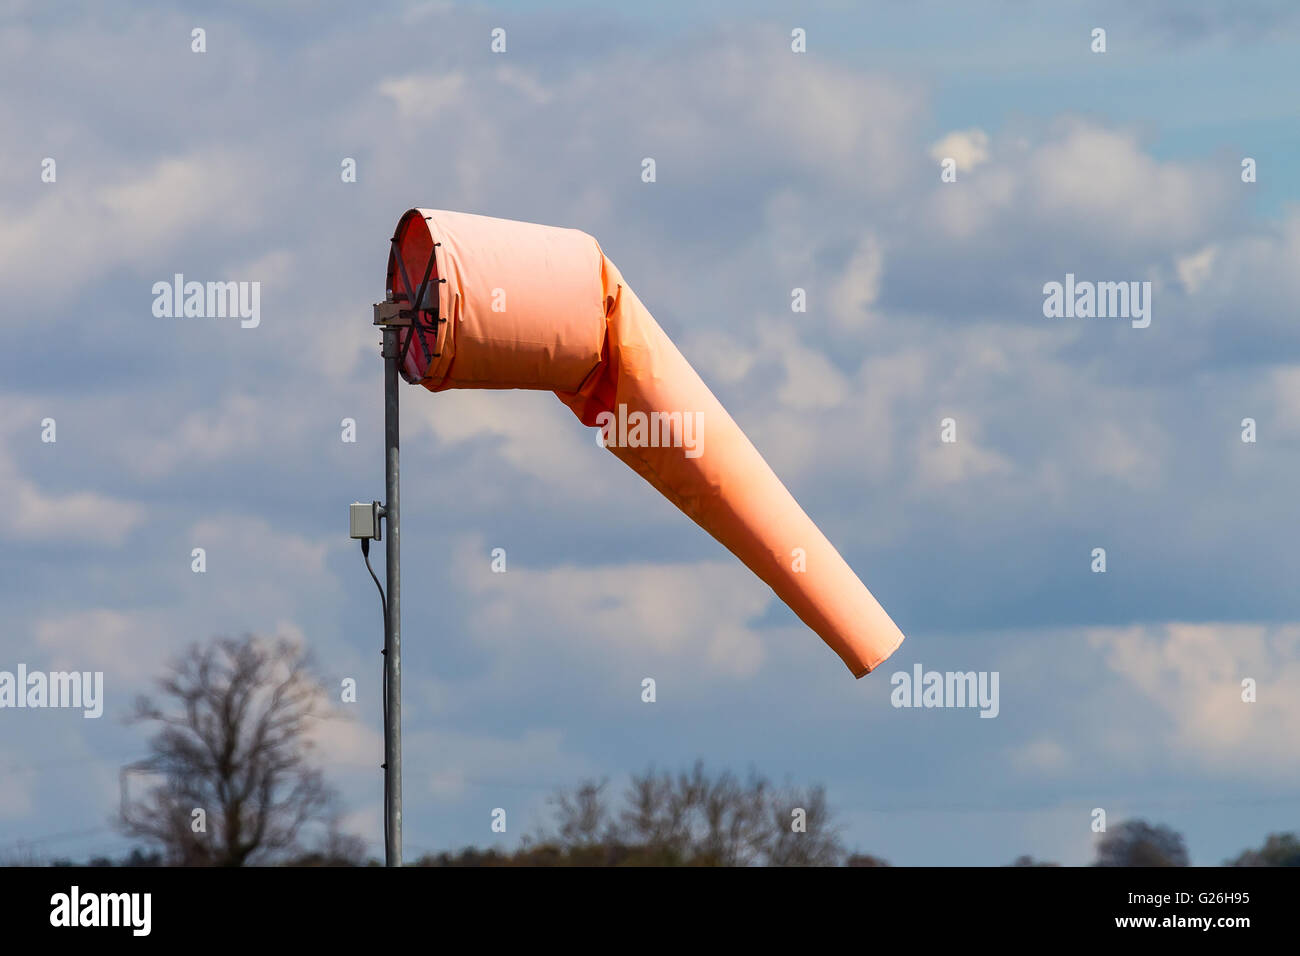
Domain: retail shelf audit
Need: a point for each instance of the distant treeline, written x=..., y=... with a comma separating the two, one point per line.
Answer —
x=235, y=783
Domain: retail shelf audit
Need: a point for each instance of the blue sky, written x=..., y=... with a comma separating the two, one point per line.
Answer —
x=774, y=171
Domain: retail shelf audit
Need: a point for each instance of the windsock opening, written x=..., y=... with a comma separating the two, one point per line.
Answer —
x=496, y=303
x=412, y=253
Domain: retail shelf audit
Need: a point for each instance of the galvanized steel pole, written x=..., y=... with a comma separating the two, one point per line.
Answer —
x=393, y=618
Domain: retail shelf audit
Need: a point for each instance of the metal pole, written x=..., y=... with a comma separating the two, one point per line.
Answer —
x=393, y=621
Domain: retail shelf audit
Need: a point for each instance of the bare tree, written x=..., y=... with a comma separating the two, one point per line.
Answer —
x=817, y=842
x=582, y=817
x=231, y=742
x=733, y=817
x=698, y=818
x=694, y=818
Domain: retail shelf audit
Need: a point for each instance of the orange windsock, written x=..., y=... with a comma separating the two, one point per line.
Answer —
x=504, y=304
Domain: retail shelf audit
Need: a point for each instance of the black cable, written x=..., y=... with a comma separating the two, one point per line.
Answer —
x=383, y=601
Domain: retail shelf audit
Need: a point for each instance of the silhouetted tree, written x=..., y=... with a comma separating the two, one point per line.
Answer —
x=336, y=848
x=1138, y=843
x=1279, y=849
x=137, y=857
x=232, y=741
x=470, y=856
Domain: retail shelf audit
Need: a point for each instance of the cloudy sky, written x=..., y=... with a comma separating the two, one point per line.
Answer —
x=774, y=170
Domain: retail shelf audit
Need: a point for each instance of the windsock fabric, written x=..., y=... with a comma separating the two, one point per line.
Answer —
x=521, y=305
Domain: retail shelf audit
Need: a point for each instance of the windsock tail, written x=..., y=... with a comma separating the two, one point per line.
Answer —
x=664, y=423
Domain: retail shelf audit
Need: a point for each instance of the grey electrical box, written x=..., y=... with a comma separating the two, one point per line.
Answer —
x=364, y=519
